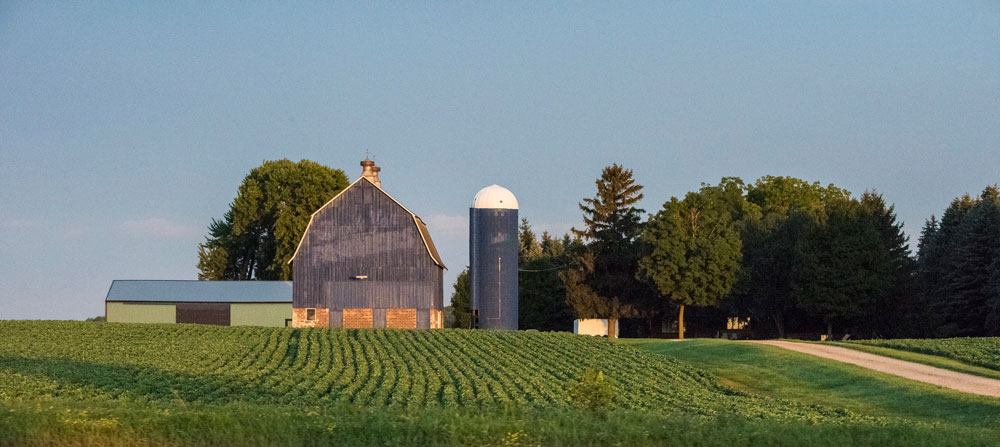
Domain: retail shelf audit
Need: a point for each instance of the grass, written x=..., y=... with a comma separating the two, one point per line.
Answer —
x=106, y=423
x=917, y=357
x=979, y=351
x=809, y=380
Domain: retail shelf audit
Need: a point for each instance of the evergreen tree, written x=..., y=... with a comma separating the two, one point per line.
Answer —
x=950, y=239
x=842, y=267
x=899, y=312
x=461, y=301
x=695, y=251
x=262, y=228
x=603, y=283
x=541, y=293
x=957, y=265
x=971, y=291
x=528, y=246
x=928, y=276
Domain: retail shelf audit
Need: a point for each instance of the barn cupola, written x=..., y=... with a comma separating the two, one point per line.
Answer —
x=370, y=171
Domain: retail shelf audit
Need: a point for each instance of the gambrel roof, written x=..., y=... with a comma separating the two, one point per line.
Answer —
x=425, y=236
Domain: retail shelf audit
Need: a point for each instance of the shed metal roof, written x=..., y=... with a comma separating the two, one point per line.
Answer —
x=200, y=291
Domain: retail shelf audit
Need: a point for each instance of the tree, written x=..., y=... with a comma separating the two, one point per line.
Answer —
x=461, y=297
x=541, y=293
x=958, y=266
x=528, y=246
x=843, y=267
x=602, y=283
x=695, y=251
x=900, y=312
x=259, y=233
x=970, y=288
x=787, y=207
x=928, y=275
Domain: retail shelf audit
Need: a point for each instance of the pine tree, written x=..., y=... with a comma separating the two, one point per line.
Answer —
x=970, y=284
x=843, y=267
x=528, y=246
x=899, y=312
x=927, y=278
x=461, y=297
x=541, y=293
x=603, y=284
x=950, y=239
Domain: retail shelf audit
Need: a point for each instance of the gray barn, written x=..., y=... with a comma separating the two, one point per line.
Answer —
x=367, y=261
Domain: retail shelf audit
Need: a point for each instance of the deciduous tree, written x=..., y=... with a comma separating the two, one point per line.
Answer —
x=787, y=207
x=259, y=233
x=695, y=252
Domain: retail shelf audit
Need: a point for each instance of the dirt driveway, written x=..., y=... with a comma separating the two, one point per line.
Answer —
x=949, y=379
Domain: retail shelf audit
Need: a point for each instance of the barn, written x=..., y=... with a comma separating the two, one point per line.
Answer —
x=225, y=303
x=365, y=261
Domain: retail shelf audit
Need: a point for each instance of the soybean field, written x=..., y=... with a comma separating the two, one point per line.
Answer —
x=373, y=368
x=79, y=383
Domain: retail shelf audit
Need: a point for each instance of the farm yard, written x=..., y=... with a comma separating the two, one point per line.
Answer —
x=127, y=384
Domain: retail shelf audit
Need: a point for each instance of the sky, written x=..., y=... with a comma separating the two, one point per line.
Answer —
x=125, y=127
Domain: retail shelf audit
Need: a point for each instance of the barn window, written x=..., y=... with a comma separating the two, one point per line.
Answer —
x=310, y=314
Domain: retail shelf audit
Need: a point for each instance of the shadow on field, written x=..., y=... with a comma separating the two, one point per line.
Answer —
x=132, y=382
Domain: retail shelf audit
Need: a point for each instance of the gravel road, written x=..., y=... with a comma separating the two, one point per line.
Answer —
x=949, y=379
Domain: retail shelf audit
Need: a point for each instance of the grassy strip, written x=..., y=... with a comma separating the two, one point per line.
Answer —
x=811, y=380
x=105, y=423
x=979, y=351
x=917, y=357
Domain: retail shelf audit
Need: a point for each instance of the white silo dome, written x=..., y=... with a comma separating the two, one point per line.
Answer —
x=495, y=196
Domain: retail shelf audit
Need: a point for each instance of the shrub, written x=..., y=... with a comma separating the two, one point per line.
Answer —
x=593, y=392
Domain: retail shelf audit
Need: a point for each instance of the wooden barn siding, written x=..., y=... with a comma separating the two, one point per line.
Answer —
x=364, y=232
x=204, y=313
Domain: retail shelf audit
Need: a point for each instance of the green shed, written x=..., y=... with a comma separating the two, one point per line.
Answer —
x=225, y=303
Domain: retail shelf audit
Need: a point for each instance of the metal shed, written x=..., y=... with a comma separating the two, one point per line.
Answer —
x=226, y=303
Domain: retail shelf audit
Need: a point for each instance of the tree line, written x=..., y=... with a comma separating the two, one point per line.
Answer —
x=795, y=257
x=792, y=256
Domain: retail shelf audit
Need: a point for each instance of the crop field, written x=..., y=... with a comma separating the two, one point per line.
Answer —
x=979, y=351
x=75, y=383
x=392, y=368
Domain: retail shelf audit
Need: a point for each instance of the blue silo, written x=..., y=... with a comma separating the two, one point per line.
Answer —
x=493, y=259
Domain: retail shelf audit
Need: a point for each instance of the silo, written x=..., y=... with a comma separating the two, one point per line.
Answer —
x=493, y=259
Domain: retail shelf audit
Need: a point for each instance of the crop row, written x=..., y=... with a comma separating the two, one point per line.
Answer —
x=381, y=367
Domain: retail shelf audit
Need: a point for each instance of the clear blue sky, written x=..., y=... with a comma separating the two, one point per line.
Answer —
x=125, y=127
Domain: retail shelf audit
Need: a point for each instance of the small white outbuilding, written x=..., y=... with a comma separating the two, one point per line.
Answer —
x=593, y=326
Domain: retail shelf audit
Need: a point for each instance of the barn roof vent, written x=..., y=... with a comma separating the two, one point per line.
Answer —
x=370, y=171
x=495, y=196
